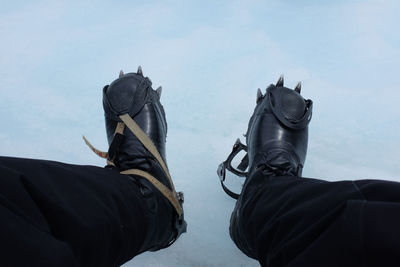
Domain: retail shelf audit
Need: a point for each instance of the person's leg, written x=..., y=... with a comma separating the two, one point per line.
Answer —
x=308, y=222
x=379, y=190
x=136, y=129
x=275, y=218
x=56, y=214
x=365, y=233
x=25, y=236
x=90, y=216
x=282, y=219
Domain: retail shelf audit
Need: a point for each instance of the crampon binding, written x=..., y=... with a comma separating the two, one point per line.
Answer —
x=227, y=165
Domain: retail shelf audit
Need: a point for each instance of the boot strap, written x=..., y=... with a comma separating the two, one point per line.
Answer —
x=175, y=199
x=148, y=144
x=168, y=194
x=119, y=130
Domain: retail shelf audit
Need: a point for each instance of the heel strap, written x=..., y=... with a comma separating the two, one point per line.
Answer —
x=176, y=199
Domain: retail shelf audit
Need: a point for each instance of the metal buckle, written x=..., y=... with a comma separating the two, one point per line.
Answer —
x=227, y=165
x=180, y=223
x=181, y=197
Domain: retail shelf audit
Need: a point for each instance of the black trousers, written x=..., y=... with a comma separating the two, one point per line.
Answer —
x=55, y=214
x=293, y=221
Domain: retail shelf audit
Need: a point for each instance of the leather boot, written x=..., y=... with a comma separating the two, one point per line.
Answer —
x=132, y=94
x=276, y=138
x=277, y=135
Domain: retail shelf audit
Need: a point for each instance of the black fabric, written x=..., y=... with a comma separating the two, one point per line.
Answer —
x=56, y=214
x=293, y=221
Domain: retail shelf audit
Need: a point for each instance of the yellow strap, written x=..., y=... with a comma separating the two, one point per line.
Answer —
x=148, y=144
x=110, y=163
x=162, y=188
x=120, y=128
x=98, y=152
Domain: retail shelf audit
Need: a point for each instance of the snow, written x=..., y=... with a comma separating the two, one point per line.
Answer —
x=210, y=59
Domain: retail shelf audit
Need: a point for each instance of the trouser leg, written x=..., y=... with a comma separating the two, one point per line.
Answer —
x=365, y=233
x=56, y=214
x=309, y=222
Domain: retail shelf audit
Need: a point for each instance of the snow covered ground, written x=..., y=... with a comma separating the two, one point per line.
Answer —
x=210, y=59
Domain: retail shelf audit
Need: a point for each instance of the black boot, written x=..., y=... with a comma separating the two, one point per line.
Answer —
x=136, y=131
x=132, y=93
x=276, y=137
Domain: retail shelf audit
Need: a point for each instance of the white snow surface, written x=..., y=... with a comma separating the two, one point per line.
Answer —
x=210, y=57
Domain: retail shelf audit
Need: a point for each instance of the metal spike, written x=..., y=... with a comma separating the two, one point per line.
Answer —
x=140, y=71
x=237, y=142
x=259, y=95
x=121, y=73
x=298, y=88
x=158, y=91
x=279, y=83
